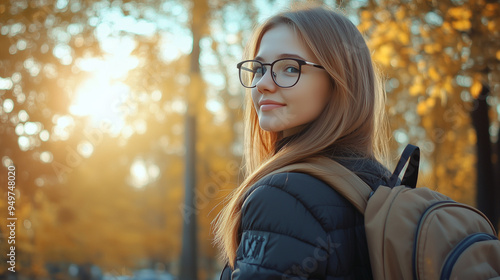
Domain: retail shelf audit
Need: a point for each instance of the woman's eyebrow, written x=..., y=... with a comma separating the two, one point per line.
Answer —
x=283, y=55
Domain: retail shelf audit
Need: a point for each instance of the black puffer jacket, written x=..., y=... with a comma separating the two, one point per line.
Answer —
x=295, y=226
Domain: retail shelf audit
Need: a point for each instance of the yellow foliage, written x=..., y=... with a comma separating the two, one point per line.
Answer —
x=440, y=171
x=417, y=87
x=434, y=74
x=384, y=54
x=421, y=66
x=403, y=38
x=451, y=135
x=429, y=49
x=460, y=12
x=475, y=89
x=431, y=102
x=437, y=47
x=443, y=97
x=364, y=26
x=448, y=85
x=492, y=25
x=438, y=92
x=424, y=32
x=447, y=29
x=422, y=108
x=461, y=25
x=498, y=54
x=412, y=69
x=428, y=76
x=471, y=136
x=428, y=123
x=366, y=15
x=435, y=92
x=400, y=14
x=491, y=9
x=459, y=178
x=393, y=31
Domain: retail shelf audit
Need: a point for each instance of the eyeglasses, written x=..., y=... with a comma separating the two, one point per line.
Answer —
x=285, y=72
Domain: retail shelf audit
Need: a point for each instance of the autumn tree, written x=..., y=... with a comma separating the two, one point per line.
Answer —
x=439, y=58
x=78, y=202
x=38, y=46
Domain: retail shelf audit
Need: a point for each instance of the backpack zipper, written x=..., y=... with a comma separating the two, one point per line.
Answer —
x=459, y=249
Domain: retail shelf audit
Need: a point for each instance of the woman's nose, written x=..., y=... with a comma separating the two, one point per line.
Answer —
x=266, y=83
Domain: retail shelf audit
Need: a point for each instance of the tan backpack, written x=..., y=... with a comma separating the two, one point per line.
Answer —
x=414, y=233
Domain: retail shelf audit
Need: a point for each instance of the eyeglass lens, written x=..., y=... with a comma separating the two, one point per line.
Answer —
x=286, y=72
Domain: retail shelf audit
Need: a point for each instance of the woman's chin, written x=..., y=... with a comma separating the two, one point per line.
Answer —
x=270, y=128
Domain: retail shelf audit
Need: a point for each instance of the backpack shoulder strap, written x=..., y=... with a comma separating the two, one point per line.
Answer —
x=345, y=182
x=349, y=184
x=411, y=153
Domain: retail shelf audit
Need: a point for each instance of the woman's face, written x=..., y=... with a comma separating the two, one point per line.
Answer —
x=288, y=109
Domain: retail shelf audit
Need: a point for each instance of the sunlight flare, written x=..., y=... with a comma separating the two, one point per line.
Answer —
x=103, y=96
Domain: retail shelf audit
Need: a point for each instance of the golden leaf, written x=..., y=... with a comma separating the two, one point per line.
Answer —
x=492, y=26
x=451, y=136
x=454, y=12
x=400, y=14
x=416, y=89
x=447, y=27
x=421, y=65
x=412, y=69
x=431, y=102
x=437, y=47
x=491, y=9
x=384, y=54
x=440, y=171
x=421, y=108
x=461, y=25
x=460, y=12
x=424, y=32
x=366, y=15
x=448, y=85
x=435, y=92
x=403, y=38
x=475, y=89
x=364, y=26
x=429, y=49
x=434, y=74
x=443, y=96
x=472, y=136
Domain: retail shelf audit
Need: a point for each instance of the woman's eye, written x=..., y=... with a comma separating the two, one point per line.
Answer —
x=292, y=69
x=259, y=70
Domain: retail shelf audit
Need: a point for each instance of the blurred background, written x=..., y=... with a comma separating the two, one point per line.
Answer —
x=123, y=120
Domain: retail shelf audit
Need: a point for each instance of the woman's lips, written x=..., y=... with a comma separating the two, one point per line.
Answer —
x=269, y=107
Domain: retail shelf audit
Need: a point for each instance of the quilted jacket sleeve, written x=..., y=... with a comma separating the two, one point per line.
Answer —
x=281, y=237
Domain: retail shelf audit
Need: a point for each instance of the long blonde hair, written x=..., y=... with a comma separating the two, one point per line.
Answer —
x=353, y=120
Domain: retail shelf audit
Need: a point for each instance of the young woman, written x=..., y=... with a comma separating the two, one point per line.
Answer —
x=312, y=91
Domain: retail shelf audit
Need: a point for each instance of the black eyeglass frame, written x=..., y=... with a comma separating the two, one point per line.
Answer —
x=299, y=61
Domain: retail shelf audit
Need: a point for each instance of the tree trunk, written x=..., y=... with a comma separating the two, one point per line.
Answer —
x=485, y=197
x=495, y=219
x=189, y=254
